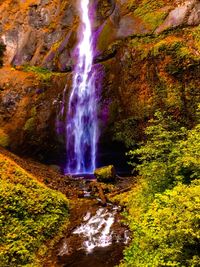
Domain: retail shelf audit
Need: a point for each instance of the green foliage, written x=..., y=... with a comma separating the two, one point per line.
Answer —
x=43, y=74
x=30, y=214
x=170, y=154
x=164, y=206
x=168, y=233
x=2, y=49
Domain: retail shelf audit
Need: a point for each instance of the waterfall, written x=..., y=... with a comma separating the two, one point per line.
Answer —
x=81, y=125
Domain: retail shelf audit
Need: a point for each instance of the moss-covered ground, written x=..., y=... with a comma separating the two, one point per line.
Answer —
x=30, y=215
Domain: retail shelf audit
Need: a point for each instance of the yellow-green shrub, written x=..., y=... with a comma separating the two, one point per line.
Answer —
x=30, y=214
x=163, y=209
x=168, y=233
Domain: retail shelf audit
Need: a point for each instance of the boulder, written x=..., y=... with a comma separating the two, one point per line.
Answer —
x=105, y=174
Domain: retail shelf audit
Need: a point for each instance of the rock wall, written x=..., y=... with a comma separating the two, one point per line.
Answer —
x=148, y=52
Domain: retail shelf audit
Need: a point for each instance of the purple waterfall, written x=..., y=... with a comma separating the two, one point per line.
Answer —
x=81, y=122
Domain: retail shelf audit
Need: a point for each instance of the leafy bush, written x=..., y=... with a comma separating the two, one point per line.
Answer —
x=164, y=206
x=170, y=154
x=168, y=233
x=30, y=214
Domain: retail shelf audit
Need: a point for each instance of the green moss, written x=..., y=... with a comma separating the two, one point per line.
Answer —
x=30, y=214
x=167, y=44
x=150, y=11
x=4, y=139
x=42, y=74
x=29, y=125
x=33, y=112
x=105, y=174
x=31, y=122
x=107, y=36
x=196, y=35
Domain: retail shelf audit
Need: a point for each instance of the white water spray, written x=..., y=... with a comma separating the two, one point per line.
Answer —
x=96, y=229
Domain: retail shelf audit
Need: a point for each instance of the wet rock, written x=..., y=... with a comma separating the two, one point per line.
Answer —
x=32, y=31
x=10, y=39
x=10, y=100
x=105, y=8
x=105, y=174
x=136, y=75
x=36, y=33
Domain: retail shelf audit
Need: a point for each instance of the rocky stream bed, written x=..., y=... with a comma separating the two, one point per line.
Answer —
x=96, y=234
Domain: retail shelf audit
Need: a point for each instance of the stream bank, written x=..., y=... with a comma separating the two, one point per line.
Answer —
x=96, y=235
x=95, y=232
x=97, y=238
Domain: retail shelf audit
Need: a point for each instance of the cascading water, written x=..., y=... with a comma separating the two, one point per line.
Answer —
x=97, y=229
x=81, y=126
x=100, y=235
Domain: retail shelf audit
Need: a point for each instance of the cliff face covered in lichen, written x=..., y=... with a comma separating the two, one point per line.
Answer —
x=148, y=53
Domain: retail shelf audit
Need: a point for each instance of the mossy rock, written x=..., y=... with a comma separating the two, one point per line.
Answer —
x=29, y=125
x=105, y=174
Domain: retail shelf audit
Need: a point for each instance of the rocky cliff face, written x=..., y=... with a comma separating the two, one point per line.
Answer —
x=148, y=52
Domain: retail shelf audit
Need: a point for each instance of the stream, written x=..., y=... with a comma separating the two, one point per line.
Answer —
x=98, y=241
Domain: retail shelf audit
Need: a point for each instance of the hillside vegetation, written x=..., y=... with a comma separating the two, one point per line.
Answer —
x=164, y=207
x=30, y=214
